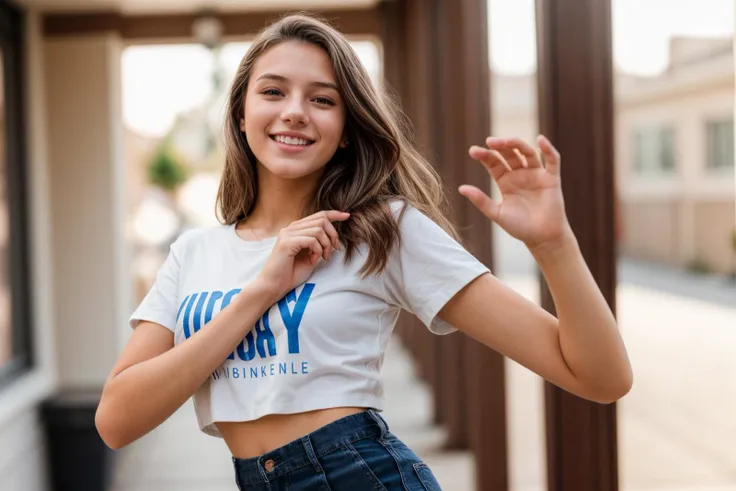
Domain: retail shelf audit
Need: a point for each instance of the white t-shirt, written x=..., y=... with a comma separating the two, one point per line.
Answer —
x=322, y=344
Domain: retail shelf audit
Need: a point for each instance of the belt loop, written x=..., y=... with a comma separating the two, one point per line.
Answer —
x=307, y=443
x=379, y=421
x=261, y=470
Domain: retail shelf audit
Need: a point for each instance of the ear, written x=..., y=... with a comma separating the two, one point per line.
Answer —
x=344, y=142
x=242, y=125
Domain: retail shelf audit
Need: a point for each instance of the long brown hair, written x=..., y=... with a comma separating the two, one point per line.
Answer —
x=379, y=165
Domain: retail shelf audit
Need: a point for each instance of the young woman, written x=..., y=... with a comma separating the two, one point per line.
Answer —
x=277, y=320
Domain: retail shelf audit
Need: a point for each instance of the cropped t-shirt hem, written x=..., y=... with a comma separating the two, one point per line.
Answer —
x=209, y=428
x=151, y=316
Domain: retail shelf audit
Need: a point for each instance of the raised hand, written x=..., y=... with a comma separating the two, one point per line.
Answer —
x=532, y=208
x=298, y=249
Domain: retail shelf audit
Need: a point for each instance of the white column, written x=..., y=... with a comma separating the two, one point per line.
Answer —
x=86, y=180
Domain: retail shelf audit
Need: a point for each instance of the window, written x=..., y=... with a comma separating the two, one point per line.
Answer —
x=654, y=150
x=719, y=141
x=15, y=321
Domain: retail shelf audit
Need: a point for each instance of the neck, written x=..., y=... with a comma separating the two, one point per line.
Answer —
x=280, y=202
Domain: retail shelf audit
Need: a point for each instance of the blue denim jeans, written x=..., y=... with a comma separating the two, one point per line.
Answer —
x=354, y=453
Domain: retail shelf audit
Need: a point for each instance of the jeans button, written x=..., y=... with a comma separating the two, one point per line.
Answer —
x=269, y=465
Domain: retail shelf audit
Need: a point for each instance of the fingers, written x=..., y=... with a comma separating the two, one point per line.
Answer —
x=305, y=242
x=319, y=227
x=516, y=151
x=551, y=155
x=325, y=225
x=509, y=152
x=330, y=215
x=318, y=233
x=481, y=200
x=503, y=155
x=492, y=160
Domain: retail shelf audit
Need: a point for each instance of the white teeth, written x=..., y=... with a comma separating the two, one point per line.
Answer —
x=290, y=140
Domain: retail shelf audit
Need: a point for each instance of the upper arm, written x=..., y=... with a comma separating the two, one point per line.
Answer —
x=505, y=321
x=154, y=320
x=147, y=341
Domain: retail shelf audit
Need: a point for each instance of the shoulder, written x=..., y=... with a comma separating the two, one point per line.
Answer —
x=409, y=218
x=419, y=234
x=402, y=211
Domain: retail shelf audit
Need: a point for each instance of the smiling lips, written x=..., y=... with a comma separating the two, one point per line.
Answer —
x=292, y=140
x=291, y=143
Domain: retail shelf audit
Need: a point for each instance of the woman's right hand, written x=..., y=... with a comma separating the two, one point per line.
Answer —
x=298, y=249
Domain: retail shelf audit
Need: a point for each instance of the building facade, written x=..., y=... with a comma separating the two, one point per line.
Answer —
x=674, y=154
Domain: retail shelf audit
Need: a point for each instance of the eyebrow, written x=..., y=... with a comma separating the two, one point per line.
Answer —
x=281, y=78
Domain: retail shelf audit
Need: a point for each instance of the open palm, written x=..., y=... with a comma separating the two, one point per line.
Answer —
x=532, y=207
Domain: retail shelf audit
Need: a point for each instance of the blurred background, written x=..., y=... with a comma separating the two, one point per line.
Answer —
x=111, y=114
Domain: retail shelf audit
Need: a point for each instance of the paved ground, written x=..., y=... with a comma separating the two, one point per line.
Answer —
x=677, y=426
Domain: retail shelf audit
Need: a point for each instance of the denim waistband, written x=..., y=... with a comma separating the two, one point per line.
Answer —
x=306, y=450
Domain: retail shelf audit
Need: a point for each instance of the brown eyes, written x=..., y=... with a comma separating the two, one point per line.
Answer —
x=322, y=101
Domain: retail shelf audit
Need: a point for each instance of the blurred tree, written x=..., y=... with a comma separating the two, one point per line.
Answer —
x=165, y=169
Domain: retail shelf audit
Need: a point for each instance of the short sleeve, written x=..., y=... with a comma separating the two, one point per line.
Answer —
x=160, y=303
x=427, y=270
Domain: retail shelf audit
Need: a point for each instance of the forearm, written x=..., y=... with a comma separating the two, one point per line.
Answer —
x=589, y=337
x=144, y=395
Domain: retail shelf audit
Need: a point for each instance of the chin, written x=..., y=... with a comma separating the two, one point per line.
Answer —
x=293, y=170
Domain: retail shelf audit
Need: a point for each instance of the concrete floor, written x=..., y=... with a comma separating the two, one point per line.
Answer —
x=677, y=427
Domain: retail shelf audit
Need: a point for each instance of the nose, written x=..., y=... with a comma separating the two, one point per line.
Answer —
x=294, y=113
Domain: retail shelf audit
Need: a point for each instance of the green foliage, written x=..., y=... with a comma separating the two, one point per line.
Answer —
x=698, y=266
x=165, y=169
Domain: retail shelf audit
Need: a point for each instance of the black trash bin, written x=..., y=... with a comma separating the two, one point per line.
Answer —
x=77, y=457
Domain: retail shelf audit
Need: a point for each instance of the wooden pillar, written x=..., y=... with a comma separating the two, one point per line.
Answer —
x=409, y=71
x=452, y=141
x=576, y=113
x=442, y=77
x=484, y=368
x=474, y=405
x=462, y=28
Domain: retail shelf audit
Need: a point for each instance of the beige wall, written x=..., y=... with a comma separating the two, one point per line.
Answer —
x=641, y=238
x=79, y=297
x=686, y=216
x=673, y=219
x=687, y=112
x=713, y=223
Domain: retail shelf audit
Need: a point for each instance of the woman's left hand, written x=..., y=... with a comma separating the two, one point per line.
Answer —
x=532, y=208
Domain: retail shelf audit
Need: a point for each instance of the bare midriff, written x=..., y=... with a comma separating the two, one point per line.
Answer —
x=254, y=438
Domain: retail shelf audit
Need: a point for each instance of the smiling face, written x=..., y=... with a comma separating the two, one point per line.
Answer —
x=294, y=117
